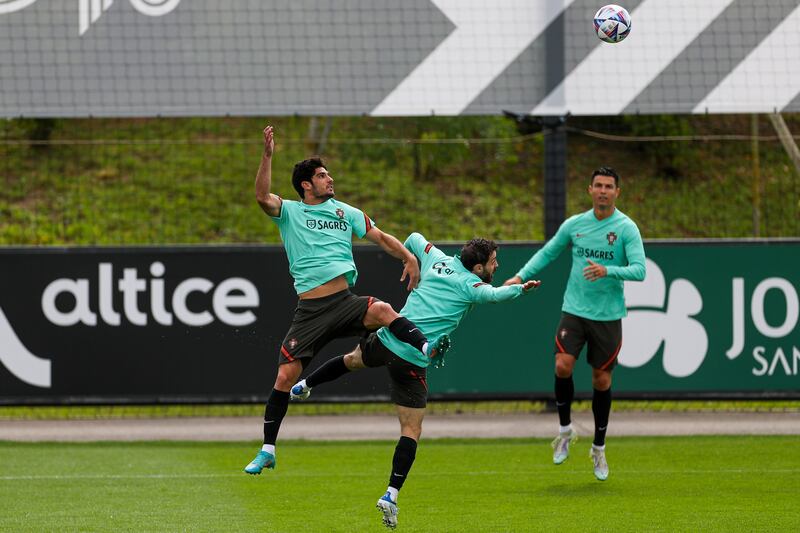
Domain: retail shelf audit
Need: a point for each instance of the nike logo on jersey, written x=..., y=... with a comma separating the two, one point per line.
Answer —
x=579, y=235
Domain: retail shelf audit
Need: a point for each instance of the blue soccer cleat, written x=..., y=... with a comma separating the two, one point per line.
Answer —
x=263, y=460
x=561, y=446
x=437, y=349
x=600, y=464
x=389, y=510
x=300, y=391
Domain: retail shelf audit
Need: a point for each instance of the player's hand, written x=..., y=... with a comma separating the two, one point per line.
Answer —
x=532, y=284
x=516, y=280
x=594, y=271
x=269, y=142
x=410, y=271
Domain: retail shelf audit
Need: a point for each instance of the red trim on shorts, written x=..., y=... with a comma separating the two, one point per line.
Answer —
x=286, y=354
x=560, y=346
x=616, y=353
x=367, y=222
x=428, y=247
x=370, y=301
x=422, y=380
x=479, y=284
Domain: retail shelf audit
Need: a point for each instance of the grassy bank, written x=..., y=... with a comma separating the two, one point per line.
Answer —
x=158, y=181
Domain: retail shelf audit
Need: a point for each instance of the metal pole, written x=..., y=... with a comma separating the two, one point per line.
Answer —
x=756, y=176
x=555, y=140
x=555, y=174
x=786, y=138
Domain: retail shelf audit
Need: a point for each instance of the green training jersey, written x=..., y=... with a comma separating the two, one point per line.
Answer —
x=613, y=242
x=319, y=240
x=446, y=292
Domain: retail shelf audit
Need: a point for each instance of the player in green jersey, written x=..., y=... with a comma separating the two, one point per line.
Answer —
x=317, y=233
x=606, y=250
x=448, y=289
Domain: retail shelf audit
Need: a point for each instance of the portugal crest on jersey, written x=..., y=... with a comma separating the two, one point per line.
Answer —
x=611, y=237
x=340, y=212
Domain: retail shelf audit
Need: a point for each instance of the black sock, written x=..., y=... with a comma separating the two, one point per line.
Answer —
x=277, y=404
x=565, y=391
x=404, y=454
x=333, y=369
x=601, y=408
x=406, y=331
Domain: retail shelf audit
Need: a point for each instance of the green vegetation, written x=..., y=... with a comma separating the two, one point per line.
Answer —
x=190, y=180
x=656, y=484
x=76, y=412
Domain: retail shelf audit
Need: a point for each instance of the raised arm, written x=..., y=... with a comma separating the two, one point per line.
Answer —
x=270, y=203
x=395, y=248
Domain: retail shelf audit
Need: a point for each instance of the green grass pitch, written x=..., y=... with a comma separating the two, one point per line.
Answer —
x=656, y=484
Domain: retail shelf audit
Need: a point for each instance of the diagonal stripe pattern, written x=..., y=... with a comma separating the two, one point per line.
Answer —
x=767, y=79
x=383, y=57
x=613, y=75
x=488, y=37
x=691, y=76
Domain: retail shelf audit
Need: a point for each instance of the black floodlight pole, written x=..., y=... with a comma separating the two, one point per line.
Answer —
x=555, y=173
x=555, y=164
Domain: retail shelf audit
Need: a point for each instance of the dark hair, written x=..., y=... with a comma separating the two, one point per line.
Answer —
x=606, y=171
x=477, y=252
x=304, y=171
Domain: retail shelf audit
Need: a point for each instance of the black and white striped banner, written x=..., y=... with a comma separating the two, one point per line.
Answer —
x=382, y=57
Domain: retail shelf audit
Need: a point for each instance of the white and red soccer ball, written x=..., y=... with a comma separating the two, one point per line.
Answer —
x=612, y=23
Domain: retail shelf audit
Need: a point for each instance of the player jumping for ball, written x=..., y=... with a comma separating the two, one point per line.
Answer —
x=448, y=289
x=317, y=234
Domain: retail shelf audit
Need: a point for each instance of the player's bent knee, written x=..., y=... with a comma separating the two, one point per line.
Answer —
x=386, y=313
x=380, y=314
x=354, y=360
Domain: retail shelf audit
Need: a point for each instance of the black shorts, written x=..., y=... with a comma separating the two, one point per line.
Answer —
x=409, y=385
x=604, y=339
x=318, y=321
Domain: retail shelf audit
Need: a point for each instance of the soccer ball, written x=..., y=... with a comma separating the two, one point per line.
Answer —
x=612, y=23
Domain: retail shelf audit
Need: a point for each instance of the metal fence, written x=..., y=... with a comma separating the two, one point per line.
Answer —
x=190, y=180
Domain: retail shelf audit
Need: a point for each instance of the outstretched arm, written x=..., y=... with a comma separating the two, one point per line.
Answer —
x=270, y=203
x=395, y=248
x=550, y=251
x=485, y=293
